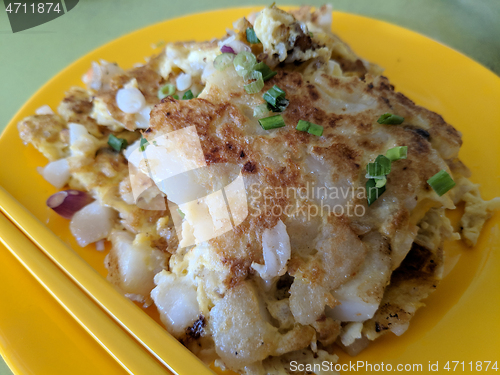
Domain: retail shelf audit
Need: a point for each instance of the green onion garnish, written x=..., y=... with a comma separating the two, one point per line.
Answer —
x=166, y=90
x=181, y=214
x=188, y=95
x=380, y=182
x=306, y=126
x=272, y=122
x=261, y=111
x=223, y=60
x=380, y=168
x=372, y=191
x=275, y=97
x=255, y=86
x=303, y=125
x=315, y=130
x=273, y=94
x=116, y=143
x=175, y=96
x=244, y=63
x=251, y=36
x=143, y=144
x=390, y=119
x=397, y=153
x=266, y=71
x=441, y=182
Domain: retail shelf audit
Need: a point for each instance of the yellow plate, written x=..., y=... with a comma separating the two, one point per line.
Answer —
x=460, y=320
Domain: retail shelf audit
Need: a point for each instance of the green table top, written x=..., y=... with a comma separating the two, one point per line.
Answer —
x=29, y=58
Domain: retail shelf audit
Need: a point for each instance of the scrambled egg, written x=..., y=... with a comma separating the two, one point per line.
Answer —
x=276, y=288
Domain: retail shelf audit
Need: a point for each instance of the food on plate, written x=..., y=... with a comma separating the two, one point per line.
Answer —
x=269, y=192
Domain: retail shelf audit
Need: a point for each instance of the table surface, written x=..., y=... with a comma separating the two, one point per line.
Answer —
x=30, y=58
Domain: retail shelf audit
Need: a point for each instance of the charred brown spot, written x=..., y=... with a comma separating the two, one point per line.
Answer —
x=423, y=133
x=213, y=156
x=313, y=92
x=304, y=41
x=380, y=327
x=197, y=329
x=249, y=167
x=242, y=154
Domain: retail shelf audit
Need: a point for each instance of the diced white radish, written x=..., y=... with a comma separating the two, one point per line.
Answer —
x=130, y=100
x=100, y=246
x=44, y=110
x=142, y=118
x=176, y=302
x=361, y=295
x=76, y=132
x=92, y=223
x=183, y=81
x=133, y=263
x=57, y=173
x=276, y=251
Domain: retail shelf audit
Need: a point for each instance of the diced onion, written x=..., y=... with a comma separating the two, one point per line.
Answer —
x=222, y=61
x=227, y=49
x=57, y=173
x=66, y=203
x=92, y=223
x=130, y=100
x=236, y=45
x=183, y=81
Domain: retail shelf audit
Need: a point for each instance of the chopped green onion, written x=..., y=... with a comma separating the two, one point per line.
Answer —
x=315, y=130
x=273, y=94
x=275, y=97
x=181, y=213
x=255, y=86
x=188, y=95
x=116, y=143
x=143, y=144
x=251, y=36
x=266, y=71
x=390, y=119
x=244, y=63
x=261, y=111
x=175, y=96
x=380, y=168
x=306, y=126
x=380, y=182
x=272, y=122
x=223, y=60
x=397, y=153
x=168, y=89
x=311, y=34
x=303, y=125
x=282, y=104
x=441, y=182
x=372, y=191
